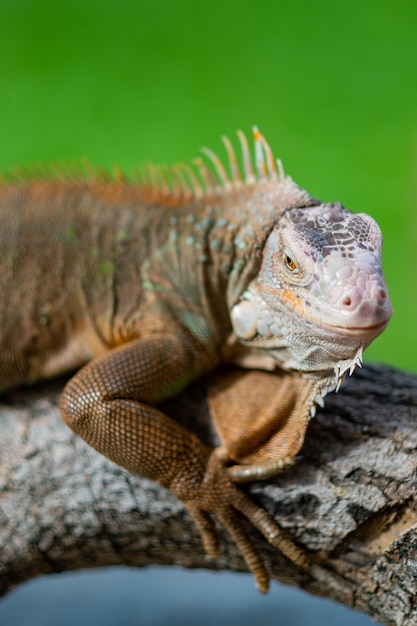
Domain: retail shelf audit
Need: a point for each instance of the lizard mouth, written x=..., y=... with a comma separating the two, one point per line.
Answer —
x=367, y=318
x=356, y=331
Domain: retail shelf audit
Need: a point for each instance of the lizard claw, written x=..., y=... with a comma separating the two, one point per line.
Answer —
x=233, y=524
x=219, y=496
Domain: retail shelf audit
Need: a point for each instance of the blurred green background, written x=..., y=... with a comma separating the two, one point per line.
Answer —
x=333, y=86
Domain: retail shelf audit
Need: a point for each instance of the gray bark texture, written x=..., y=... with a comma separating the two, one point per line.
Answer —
x=350, y=501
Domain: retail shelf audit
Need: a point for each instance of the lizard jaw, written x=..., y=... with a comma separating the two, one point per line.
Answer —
x=327, y=352
x=369, y=333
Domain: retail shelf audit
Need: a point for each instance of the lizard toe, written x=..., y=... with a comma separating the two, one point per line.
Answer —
x=233, y=525
x=271, y=531
x=207, y=529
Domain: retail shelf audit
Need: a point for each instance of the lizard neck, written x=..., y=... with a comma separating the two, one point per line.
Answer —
x=240, y=223
x=221, y=239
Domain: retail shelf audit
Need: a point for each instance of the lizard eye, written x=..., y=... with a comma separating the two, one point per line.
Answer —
x=290, y=263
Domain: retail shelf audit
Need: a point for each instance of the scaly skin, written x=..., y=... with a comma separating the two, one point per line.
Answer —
x=148, y=285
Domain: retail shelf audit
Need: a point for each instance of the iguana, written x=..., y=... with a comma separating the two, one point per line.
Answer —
x=148, y=283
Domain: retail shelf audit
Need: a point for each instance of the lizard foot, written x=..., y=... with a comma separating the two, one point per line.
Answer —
x=218, y=495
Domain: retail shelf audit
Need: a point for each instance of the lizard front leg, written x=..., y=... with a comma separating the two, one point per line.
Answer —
x=111, y=402
x=261, y=418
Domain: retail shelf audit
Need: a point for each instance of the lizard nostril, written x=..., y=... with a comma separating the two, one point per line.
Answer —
x=382, y=295
x=352, y=299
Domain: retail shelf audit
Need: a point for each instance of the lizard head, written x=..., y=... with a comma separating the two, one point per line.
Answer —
x=320, y=297
x=311, y=293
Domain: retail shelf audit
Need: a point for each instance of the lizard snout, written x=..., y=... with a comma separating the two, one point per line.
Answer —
x=366, y=308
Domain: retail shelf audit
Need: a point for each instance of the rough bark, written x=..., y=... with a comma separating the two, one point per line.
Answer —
x=351, y=499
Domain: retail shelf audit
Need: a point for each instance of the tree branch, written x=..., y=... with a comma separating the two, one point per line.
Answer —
x=350, y=501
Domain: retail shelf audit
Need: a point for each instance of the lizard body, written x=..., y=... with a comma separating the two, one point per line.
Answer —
x=146, y=286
